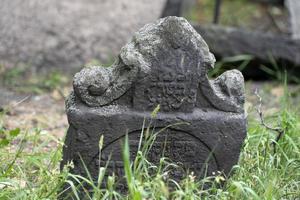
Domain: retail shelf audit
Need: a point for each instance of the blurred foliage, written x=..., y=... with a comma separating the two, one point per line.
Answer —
x=239, y=62
x=233, y=12
x=240, y=13
x=276, y=72
x=96, y=62
x=21, y=79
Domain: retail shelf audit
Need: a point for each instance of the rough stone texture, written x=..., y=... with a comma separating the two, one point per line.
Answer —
x=165, y=63
x=226, y=41
x=66, y=34
x=293, y=7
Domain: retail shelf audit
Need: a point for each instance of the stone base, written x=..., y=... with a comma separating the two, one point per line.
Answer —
x=210, y=142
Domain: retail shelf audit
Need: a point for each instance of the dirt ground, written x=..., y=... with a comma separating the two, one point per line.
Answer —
x=45, y=112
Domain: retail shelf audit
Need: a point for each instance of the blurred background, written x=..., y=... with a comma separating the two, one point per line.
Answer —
x=43, y=43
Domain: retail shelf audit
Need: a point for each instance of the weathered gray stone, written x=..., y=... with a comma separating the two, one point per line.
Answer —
x=66, y=34
x=165, y=63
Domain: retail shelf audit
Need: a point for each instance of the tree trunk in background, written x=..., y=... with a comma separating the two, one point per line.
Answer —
x=293, y=7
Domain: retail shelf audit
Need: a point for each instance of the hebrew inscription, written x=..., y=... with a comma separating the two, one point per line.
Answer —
x=180, y=147
x=172, y=83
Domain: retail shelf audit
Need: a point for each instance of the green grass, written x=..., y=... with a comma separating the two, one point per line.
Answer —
x=29, y=167
x=232, y=13
x=238, y=13
x=23, y=79
x=239, y=62
x=20, y=79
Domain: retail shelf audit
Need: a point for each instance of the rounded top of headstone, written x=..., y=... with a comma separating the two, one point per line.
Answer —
x=167, y=34
x=172, y=58
x=166, y=64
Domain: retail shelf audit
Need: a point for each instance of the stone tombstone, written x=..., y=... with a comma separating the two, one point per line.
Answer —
x=166, y=64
